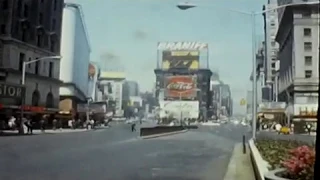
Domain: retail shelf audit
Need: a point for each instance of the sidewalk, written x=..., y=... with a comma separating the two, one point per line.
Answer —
x=240, y=166
x=38, y=132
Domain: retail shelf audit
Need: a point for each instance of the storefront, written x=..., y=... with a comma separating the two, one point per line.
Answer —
x=11, y=96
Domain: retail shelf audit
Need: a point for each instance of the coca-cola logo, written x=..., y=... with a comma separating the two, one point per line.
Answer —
x=180, y=86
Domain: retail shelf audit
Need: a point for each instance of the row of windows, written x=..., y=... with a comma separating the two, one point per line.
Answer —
x=22, y=59
x=307, y=32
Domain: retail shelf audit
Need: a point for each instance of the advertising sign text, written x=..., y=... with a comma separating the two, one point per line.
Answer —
x=182, y=46
x=11, y=90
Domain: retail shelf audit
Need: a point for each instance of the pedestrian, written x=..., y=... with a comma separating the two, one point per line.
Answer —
x=42, y=124
x=133, y=127
x=54, y=124
x=29, y=126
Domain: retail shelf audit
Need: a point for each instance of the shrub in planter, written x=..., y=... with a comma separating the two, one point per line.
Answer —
x=276, y=151
x=301, y=163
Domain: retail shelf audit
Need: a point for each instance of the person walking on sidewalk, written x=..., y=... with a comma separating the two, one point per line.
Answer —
x=42, y=124
x=133, y=127
x=28, y=123
x=54, y=124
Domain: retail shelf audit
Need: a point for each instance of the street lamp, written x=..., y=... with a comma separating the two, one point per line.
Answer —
x=89, y=99
x=23, y=79
x=186, y=5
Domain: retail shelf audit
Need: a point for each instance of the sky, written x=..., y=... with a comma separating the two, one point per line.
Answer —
x=124, y=33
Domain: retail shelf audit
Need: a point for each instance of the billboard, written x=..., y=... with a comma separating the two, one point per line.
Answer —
x=180, y=87
x=180, y=59
x=174, y=46
x=186, y=109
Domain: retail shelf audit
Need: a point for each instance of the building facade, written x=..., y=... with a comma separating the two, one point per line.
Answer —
x=29, y=30
x=298, y=37
x=110, y=85
x=75, y=51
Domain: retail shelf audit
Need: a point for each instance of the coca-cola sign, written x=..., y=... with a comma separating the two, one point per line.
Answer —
x=181, y=86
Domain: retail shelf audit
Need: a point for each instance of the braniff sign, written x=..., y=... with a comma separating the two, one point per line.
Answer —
x=182, y=46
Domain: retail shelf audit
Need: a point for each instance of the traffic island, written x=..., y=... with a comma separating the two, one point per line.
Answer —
x=158, y=131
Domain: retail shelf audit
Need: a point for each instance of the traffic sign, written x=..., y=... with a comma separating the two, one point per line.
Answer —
x=243, y=102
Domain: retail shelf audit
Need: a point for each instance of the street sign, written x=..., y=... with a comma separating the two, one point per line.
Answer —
x=243, y=102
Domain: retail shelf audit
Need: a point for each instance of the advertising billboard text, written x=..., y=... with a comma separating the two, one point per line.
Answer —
x=182, y=46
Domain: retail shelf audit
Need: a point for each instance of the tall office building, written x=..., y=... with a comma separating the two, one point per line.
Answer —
x=298, y=37
x=270, y=44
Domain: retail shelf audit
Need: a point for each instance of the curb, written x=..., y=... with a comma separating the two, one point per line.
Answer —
x=240, y=166
x=260, y=166
x=231, y=169
x=163, y=134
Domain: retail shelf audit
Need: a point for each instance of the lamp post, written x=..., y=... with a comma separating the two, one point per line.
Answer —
x=89, y=99
x=186, y=6
x=23, y=79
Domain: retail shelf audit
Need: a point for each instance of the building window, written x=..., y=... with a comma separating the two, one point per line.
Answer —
x=273, y=43
x=308, y=60
x=53, y=25
x=3, y=29
x=36, y=69
x=44, y=67
x=26, y=11
x=40, y=18
x=24, y=35
x=21, y=60
x=307, y=46
x=52, y=45
x=308, y=74
x=5, y=5
x=306, y=13
x=54, y=5
x=51, y=66
x=273, y=65
x=29, y=65
x=307, y=31
x=39, y=40
x=19, y=8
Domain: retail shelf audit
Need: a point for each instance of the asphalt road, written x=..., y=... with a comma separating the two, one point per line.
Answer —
x=118, y=154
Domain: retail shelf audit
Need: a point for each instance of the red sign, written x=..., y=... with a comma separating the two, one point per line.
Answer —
x=33, y=108
x=181, y=86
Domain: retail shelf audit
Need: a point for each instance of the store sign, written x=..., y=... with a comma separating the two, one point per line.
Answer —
x=182, y=46
x=11, y=90
x=33, y=108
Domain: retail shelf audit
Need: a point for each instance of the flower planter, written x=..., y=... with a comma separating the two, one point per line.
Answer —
x=274, y=175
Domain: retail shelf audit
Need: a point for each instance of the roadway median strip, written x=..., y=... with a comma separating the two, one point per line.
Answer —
x=163, y=134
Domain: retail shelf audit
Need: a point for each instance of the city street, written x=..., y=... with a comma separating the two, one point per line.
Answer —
x=117, y=153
